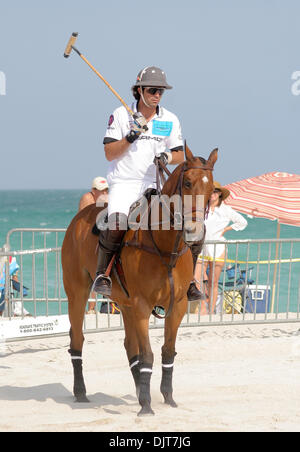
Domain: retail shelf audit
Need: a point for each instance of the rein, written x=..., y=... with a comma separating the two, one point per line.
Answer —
x=175, y=254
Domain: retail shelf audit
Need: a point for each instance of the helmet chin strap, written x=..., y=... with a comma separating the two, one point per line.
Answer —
x=142, y=96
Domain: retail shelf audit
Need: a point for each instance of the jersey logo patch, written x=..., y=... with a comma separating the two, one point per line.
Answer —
x=111, y=120
x=163, y=128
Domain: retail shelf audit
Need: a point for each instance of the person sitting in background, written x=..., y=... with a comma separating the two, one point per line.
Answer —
x=17, y=309
x=99, y=192
x=221, y=218
x=2, y=302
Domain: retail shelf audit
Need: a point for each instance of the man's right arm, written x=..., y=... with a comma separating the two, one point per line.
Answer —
x=115, y=149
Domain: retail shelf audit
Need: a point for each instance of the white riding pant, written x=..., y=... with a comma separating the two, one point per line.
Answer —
x=123, y=195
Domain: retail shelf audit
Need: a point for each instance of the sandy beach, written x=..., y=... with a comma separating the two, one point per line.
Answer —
x=233, y=378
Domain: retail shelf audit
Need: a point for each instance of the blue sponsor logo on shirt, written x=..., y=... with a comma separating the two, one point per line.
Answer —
x=163, y=128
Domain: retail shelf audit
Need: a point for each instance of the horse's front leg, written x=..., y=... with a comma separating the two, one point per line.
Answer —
x=131, y=346
x=145, y=360
x=77, y=301
x=168, y=350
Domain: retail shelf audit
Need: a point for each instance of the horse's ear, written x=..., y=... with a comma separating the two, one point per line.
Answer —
x=213, y=157
x=188, y=153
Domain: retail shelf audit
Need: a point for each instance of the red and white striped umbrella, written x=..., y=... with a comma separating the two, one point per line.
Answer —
x=275, y=196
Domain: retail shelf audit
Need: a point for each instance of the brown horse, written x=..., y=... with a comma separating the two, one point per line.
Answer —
x=158, y=269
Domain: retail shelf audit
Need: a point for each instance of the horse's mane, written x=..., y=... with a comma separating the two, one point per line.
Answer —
x=194, y=160
x=202, y=160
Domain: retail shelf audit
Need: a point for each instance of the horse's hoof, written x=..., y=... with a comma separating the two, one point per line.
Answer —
x=82, y=398
x=170, y=401
x=146, y=411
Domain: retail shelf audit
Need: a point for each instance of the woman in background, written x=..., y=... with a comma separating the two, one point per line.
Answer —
x=221, y=218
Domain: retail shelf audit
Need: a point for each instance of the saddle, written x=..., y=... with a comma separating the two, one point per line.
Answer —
x=148, y=193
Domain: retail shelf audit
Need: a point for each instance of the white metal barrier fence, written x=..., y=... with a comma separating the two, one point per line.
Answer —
x=259, y=283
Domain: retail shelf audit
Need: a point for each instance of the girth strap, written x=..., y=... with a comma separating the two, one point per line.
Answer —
x=136, y=244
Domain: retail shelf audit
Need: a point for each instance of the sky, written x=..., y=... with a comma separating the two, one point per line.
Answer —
x=234, y=66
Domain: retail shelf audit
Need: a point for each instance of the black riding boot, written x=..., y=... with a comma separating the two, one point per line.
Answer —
x=193, y=293
x=109, y=243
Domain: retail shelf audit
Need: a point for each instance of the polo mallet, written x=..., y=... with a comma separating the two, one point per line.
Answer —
x=70, y=47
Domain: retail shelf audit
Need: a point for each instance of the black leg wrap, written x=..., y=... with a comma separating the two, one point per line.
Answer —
x=134, y=364
x=79, y=389
x=166, y=387
x=144, y=396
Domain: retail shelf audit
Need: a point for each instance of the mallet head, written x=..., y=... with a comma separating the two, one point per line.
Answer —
x=70, y=44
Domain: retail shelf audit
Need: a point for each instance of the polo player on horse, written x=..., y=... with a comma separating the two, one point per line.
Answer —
x=131, y=144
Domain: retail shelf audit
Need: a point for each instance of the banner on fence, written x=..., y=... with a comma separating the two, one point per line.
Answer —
x=30, y=326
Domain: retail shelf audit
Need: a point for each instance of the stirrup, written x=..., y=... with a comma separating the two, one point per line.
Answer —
x=102, y=285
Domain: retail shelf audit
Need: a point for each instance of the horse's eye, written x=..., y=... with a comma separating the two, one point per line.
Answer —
x=187, y=184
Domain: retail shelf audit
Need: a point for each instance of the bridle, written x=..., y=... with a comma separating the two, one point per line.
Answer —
x=160, y=181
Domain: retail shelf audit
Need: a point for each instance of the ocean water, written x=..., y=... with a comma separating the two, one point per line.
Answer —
x=37, y=209
x=56, y=208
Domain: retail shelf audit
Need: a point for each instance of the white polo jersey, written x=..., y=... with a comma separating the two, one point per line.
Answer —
x=136, y=164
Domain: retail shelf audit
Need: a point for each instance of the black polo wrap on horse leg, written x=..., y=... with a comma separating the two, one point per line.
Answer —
x=144, y=395
x=79, y=388
x=166, y=386
x=134, y=365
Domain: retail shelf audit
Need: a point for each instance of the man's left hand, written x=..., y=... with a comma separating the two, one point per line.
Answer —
x=165, y=158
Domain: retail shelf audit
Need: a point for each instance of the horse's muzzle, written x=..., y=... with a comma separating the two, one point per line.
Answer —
x=193, y=231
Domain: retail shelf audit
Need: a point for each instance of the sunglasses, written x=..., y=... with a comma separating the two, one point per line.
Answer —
x=217, y=191
x=153, y=91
